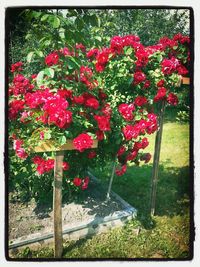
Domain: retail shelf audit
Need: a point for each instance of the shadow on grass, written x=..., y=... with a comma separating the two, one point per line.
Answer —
x=135, y=187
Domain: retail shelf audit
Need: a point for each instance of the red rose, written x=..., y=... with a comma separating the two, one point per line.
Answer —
x=83, y=141
x=172, y=99
x=130, y=132
x=169, y=65
x=132, y=155
x=121, y=150
x=120, y=172
x=126, y=110
x=161, y=83
x=52, y=59
x=65, y=166
x=146, y=157
x=100, y=135
x=103, y=122
x=79, y=99
x=139, y=77
x=161, y=94
x=140, y=101
x=85, y=183
x=92, y=102
x=77, y=181
x=92, y=154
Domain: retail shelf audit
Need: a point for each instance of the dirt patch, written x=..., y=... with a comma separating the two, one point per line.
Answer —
x=28, y=218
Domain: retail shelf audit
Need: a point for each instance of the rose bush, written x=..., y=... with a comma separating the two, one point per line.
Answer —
x=83, y=94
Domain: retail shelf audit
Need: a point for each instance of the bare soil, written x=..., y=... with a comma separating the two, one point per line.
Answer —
x=28, y=218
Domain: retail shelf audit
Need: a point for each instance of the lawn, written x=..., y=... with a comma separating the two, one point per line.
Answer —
x=167, y=234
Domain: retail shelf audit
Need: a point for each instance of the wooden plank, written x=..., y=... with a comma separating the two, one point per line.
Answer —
x=57, y=204
x=49, y=145
x=185, y=80
x=156, y=159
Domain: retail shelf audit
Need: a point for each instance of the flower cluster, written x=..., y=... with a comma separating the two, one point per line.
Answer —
x=106, y=93
x=47, y=165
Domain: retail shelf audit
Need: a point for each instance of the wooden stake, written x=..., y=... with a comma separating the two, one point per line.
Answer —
x=57, y=204
x=111, y=179
x=156, y=159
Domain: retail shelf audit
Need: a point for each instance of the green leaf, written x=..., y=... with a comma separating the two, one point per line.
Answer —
x=44, y=17
x=98, y=38
x=56, y=23
x=39, y=78
x=29, y=56
x=159, y=58
x=39, y=53
x=138, y=117
x=129, y=51
x=62, y=140
x=47, y=135
x=49, y=72
x=72, y=62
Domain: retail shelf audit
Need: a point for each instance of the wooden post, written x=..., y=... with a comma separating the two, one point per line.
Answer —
x=111, y=180
x=57, y=204
x=156, y=158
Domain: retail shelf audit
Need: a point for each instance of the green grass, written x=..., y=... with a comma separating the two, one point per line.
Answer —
x=166, y=235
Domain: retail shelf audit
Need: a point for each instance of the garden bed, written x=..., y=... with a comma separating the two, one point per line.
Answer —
x=89, y=214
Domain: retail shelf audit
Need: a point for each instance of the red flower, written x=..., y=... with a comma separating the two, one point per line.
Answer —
x=100, y=135
x=92, y=102
x=92, y=53
x=146, y=157
x=52, y=59
x=146, y=84
x=132, y=155
x=103, y=122
x=121, y=171
x=140, y=101
x=15, y=107
x=81, y=47
x=141, y=145
x=92, y=154
x=79, y=99
x=77, y=181
x=85, y=183
x=170, y=65
x=139, y=77
x=102, y=95
x=65, y=166
x=83, y=141
x=16, y=67
x=161, y=94
x=172, y=99
x=130, y=132
x=161, y=83
x=126, y=110
x=121, y=150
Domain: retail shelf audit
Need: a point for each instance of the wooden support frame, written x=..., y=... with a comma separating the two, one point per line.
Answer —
x=49, y=146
